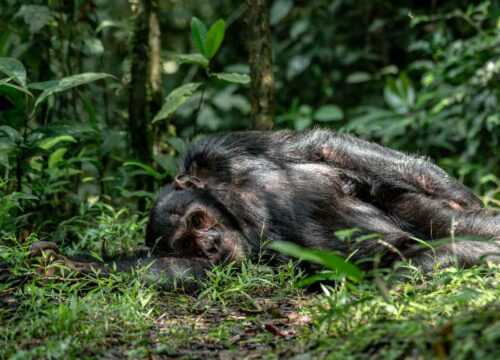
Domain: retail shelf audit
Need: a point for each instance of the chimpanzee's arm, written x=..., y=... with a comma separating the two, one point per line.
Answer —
x=168, y=273
x=384, y=169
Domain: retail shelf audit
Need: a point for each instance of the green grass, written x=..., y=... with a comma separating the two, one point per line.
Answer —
x=254, y=312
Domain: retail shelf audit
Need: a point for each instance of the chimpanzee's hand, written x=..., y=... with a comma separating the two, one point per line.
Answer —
x=52, y=262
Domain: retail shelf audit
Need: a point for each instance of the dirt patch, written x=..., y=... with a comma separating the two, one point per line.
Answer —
x=232, y=332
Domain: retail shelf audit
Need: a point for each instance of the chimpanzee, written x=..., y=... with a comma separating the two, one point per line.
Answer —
x=236, y=190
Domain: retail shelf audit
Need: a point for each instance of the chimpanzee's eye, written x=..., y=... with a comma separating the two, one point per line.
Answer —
x=196, y=221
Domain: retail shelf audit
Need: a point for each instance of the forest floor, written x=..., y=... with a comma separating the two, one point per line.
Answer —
x=256, y=312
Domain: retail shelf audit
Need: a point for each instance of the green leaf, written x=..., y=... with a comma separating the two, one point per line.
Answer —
x=49, y=143
x=196, y=59
x=56, y=157
x=53, y=87
x=167, y=162
x=44, y=85
x=148, y=169
x=358, y=77
x=177, y=143
x=214, y=39
x=199, y=35
x=233, y=77
x=114, y=24
x=13, y=68
x=328, y=113
x=11, y=133
x=280, y=10
x=327, y=259
x=175, y=99
x=15, y=94
x=6, y=144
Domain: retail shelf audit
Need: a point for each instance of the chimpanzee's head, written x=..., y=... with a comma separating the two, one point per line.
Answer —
x=187, y=220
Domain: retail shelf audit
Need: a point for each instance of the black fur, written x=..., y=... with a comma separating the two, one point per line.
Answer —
x=304, y=186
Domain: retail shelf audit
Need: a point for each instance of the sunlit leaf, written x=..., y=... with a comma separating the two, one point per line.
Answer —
x=233, y=77
x=195, y=59
x=49, y=143
x=214, y=39
x=56, y=157
x=327, y=259
x=175, y=99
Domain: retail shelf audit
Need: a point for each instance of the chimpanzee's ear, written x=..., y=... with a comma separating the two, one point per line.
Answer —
x=184, y=181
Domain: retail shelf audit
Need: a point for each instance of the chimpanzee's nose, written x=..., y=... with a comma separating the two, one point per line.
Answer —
x=211, y=241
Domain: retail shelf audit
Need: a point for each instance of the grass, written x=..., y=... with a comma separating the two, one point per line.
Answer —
x=256, y=312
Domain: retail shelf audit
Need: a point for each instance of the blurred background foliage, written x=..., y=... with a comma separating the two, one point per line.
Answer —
x=418, y=76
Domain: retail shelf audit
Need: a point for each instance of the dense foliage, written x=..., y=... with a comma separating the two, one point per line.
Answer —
x=418, y=76
x=415, y=76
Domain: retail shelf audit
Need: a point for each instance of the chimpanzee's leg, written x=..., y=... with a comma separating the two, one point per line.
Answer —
x=432, y=218
x=437, y=220
x=460, y=253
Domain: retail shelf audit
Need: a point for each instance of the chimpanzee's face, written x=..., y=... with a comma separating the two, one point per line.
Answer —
x=188, y=222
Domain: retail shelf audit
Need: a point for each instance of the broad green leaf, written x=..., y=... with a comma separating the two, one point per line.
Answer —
x=49, y=143
x=6, y=144
x=177, y=143
x=393, y=98
x=15, y=94
x=302, y=122
x=280, y=10
x=11, y=133
x=4, y=158
x=214, y=39
x=328, y=113
x=56, y=157
x=44, y=85
x=35, y=16
x=299, y=27
x=13, y=68
x=199, y=35
x=19, y=88
x=66, y=83
x=233, y=77
x=167, y=162
x=327, y=259
x=175, y=99
x=196, y=59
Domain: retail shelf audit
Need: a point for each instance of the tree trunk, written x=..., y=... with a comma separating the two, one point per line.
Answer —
x=261, y=62
x=139, y=113
x=155, y=82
